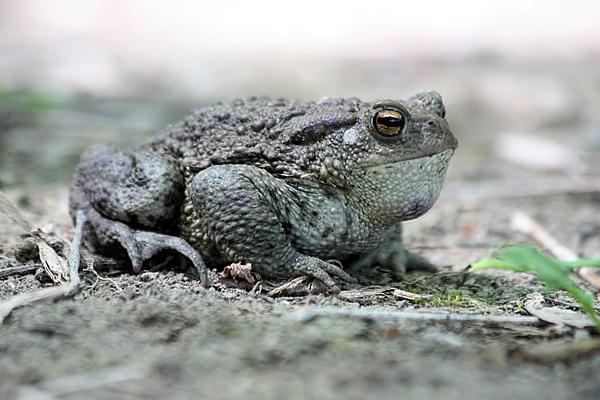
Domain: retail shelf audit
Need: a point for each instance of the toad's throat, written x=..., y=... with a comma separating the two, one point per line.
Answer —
x=403, y=190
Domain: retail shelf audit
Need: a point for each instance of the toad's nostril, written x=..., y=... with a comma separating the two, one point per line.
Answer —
x=431, y=123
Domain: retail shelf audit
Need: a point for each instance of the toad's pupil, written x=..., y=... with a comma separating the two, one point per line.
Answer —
x=390, y=121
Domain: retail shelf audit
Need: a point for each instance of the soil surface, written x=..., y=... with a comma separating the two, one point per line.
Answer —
x=161, y=335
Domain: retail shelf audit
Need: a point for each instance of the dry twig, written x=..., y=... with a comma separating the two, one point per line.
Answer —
x=256, y=289
x=403, y=294
x=100, y=278
x=18, y=270
x=389, y=292
x=298, y=286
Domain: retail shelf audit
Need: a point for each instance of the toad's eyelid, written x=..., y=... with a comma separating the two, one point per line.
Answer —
x=388, y=104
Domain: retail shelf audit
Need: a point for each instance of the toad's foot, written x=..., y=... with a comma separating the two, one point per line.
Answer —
x=321, y=271
x=395, y=257
x=142, y=245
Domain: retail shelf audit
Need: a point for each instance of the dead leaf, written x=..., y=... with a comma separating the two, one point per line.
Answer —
x=56, y=267
x=240, y=271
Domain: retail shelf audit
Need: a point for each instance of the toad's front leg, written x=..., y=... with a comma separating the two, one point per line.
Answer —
x=392, y=254
x=239, y=207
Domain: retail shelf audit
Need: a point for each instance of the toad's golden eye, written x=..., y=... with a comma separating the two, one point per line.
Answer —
x=388, y=122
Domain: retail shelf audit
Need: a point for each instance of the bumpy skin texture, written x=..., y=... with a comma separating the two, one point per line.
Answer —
x=278, y=184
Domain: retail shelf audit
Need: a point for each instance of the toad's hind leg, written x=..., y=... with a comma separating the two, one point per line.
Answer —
x=240, y=210
x=132, y=202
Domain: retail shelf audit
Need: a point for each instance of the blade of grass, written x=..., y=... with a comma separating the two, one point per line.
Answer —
x=554, y=273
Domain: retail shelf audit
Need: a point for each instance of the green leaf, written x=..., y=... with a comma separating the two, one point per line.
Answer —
x=554, y=273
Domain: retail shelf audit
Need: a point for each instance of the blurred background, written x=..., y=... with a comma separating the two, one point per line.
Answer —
x=521, y=80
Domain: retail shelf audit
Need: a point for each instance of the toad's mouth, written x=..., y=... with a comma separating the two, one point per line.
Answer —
x=441, y=158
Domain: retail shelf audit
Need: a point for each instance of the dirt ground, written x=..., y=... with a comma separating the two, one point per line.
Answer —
x=161, y=335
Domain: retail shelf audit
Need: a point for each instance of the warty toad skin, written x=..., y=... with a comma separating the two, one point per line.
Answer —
x=279, y=184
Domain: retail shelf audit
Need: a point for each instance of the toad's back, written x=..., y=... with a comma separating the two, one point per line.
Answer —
x=257, y=131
